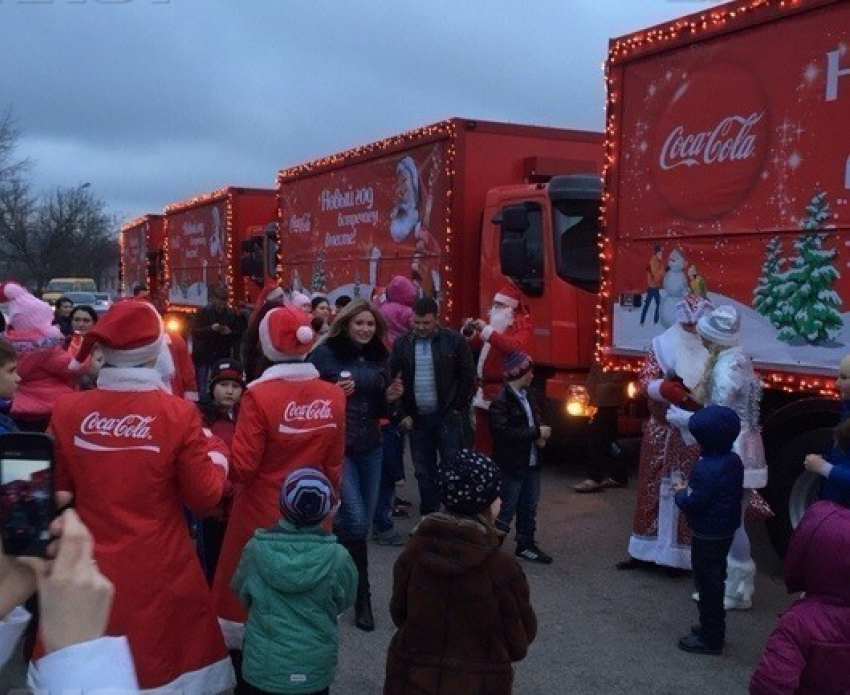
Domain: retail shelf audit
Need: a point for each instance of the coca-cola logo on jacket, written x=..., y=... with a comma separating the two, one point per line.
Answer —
x=710, y=142
x=299, y=418
x=125, y=433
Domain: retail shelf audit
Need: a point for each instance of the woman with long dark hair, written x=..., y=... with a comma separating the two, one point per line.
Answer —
x=354, y=355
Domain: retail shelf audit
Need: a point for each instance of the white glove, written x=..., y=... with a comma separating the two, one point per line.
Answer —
x=679, y=418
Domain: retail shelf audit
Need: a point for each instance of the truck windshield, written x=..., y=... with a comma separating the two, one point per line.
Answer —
x=576, y=228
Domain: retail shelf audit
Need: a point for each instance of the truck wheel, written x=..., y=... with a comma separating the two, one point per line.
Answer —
x=790, y=488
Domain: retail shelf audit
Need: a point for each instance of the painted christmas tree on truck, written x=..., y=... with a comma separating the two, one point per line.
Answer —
x=801, y=302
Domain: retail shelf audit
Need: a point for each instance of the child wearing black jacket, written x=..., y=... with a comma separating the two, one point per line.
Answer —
x=711, y=499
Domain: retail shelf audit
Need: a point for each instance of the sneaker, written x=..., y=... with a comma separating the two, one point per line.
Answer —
x=388, y=537
x=532, y=553
x=693, y=643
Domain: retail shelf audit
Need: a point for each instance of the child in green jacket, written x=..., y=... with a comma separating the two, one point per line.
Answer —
x=294, y=579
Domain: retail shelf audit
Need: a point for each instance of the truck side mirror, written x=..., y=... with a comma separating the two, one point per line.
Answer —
x=513, y=218
x=512, y=255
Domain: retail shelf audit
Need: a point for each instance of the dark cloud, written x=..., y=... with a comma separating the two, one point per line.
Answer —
x=152, y=102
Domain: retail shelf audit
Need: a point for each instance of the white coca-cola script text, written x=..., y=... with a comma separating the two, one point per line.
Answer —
x=319, y=409
x=133, y=426
x=732, y=139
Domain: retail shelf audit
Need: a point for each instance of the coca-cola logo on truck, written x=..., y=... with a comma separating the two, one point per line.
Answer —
x=710, y=142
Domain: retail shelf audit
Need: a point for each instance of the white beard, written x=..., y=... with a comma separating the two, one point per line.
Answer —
x=500, y=319
x=404, y=218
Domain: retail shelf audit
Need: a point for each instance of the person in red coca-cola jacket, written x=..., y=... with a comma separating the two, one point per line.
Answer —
x=510, y=329
x=288, y=419
x=131, y=455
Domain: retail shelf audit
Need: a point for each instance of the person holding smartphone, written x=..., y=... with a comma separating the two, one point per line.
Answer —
x=75, y=600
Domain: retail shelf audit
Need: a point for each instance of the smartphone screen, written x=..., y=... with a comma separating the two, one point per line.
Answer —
x=26, y=505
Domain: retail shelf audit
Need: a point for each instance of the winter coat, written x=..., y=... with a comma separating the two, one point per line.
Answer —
x=369, y=369
x=397, y=311
x=513, y=437
x=288, y=419
x=712, y=499
x=133, y=455
x=454, y=371
x=808, y=651
x=462, y=610
x=836, y=486
x=294, y=582
x=45, y=370
x=209, y=345
x=183, y=381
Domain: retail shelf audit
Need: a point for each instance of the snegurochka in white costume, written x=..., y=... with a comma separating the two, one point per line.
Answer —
x=730, y=380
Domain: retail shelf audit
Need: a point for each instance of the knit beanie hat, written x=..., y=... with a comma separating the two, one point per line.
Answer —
x=721, y=326
x=227, y=370
x=300, y=300
x=285, y=334
x=517, y=364
x=28, y=313
x=468, y=482
x=306, y=497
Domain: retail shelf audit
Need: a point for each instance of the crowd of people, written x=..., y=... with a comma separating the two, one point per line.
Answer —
x=223, y=502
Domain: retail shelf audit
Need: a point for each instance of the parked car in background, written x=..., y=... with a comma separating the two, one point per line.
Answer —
x=103, y=300
x=59, y=286
x=80, y=298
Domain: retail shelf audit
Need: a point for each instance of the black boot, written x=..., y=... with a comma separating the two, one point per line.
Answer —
x=363, y=617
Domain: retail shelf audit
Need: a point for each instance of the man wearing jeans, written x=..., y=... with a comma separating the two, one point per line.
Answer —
x=437, y=372
x=518, y=434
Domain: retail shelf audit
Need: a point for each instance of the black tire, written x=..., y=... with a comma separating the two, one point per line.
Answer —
x=791, y=489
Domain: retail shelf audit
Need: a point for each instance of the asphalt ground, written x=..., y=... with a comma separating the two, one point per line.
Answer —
x=601, y=631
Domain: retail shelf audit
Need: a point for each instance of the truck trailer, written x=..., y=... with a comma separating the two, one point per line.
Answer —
x=461, y=207
x=141, y=243
x=727, y=151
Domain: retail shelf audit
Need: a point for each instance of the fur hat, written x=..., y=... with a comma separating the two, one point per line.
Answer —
x=285, y=334
x=227, y=370
x=130, y=333
x=691, y=308
x=306, y=497
x=28, y=313
x=509, y=296
x=721, y=326
x=468, y=482
x=517, y=364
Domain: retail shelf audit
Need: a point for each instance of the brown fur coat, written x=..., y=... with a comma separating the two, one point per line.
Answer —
x=462, y=610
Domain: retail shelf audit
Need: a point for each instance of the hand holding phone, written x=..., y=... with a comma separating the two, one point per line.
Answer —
x=27, y=504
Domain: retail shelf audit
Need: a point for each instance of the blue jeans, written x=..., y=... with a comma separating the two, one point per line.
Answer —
x=433, y=434
x=361, y=477
x=392, y=470
x=652, y=293
x=520, y=495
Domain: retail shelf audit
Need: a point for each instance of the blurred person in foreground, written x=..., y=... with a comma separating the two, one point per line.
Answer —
x=74, y=605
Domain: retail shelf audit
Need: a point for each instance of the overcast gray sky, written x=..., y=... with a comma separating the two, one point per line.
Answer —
x=153, y=101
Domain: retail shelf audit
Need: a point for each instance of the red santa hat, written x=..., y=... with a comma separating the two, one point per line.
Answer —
x=270, y=292
x=28, y=313
x=509, y=296
x=130, y=333
x=285, y=334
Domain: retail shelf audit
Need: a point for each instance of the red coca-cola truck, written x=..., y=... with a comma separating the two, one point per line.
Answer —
x=728, y=150
x=141, y=243
x=225, y=238
x=461, y=207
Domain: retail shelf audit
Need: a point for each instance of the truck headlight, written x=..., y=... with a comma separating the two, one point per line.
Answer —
x=578, y=402
x=173, y=324
x=632, y=390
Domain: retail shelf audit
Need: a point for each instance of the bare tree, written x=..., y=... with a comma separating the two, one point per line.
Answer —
x=66, y=232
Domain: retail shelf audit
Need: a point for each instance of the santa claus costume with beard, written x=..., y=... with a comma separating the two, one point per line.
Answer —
x=510, y=329
x=659, y=533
